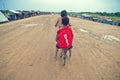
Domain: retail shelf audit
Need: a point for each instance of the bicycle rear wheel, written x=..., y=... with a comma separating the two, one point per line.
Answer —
x=64, y=56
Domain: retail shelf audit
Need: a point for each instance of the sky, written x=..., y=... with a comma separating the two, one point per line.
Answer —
x=58, y=5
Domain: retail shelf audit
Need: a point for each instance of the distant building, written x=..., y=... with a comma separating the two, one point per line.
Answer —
x=86, y=16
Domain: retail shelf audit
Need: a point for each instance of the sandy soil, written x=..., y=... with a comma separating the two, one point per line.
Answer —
x=27, y=49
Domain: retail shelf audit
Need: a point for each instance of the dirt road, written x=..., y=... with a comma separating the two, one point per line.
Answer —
x=27, y=49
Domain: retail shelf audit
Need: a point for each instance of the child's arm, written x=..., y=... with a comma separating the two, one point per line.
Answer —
x=56, y=37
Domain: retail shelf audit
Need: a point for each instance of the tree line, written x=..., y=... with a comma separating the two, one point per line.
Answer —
x=108, y=14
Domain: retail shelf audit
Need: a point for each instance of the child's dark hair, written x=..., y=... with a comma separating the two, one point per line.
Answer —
x=65, y=21
x=63, y=13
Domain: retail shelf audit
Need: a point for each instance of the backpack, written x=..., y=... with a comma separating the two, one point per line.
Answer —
x=65, y=37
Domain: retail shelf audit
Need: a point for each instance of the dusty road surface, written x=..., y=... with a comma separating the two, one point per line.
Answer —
x=27, y=49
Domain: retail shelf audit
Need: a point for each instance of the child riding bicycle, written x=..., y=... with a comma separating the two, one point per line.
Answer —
x=64, y=37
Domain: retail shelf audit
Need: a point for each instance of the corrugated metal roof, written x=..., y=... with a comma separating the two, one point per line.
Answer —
x=2, y=17
x=15, y=11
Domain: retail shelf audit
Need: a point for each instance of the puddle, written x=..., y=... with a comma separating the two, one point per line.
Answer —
x=111, y=38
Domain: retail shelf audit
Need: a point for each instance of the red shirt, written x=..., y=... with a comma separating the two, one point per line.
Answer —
x=65, y=37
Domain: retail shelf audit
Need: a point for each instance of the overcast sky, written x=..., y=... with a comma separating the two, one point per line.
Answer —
x=58, y=5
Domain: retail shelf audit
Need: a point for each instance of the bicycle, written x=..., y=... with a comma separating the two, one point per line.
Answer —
x=63, y=56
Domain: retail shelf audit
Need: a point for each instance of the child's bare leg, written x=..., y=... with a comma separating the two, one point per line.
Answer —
x=61, y=53
x=56, y=52
x=70, y=52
